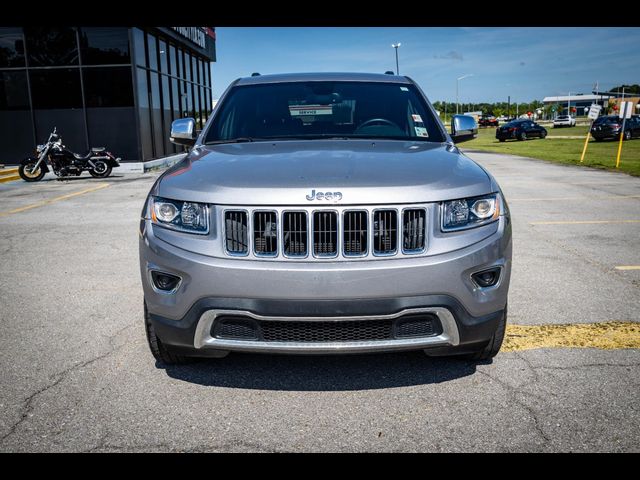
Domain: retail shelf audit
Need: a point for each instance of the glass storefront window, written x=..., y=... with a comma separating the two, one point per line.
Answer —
x=156, y=115
x=55, y=88
x=139, y=48
x=11, y=47
x=103, y=46
x=187, y=66
x=13, y=90
x=194, y=69
x=51, y=46
x=144, y=114
x=166, y=114
x=197, y=109
x=180, y=60
x=175, y=94
x=162, y=46
x=108, y=87
x=152, y=45
x=172, y=59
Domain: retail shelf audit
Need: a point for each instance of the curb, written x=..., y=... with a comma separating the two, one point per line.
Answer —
x=9, y=174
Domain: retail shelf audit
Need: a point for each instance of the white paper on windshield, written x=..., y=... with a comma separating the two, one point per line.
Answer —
x=416, y=118
x=306, y=110
x=421, y=132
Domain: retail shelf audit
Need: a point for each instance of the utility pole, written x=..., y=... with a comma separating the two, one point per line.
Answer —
x=396, y=45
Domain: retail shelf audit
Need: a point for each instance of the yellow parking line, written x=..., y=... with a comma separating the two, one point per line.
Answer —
x=559, y=199
x=55, y=199
x=583, y=222
x=628, y=267
x=604, y=335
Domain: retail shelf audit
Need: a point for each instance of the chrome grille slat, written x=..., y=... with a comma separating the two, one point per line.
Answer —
x=294, y=234
x=385, y=232
x=265, y=233
x=355, y=236
x=325, y=233
x=413, y=229
x=236, y=232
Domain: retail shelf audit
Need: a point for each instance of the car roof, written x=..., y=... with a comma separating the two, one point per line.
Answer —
x=324, y=76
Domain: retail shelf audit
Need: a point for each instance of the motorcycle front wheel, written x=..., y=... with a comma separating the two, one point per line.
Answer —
x=101, y=169
x=27, y=173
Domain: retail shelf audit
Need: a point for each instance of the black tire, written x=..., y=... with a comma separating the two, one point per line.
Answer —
x=598, y=139
x=158, y=349
x=27, y=177
x=501, y=140
x=543, y=135
x=522, y=136
x=493, y=347
x=103, y=170
x=627, y=135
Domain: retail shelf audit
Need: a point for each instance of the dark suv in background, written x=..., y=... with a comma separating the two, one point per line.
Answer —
x=609, y=126
x=520, y=130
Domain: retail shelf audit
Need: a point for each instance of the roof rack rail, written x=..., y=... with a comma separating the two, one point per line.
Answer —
x=255, y=74
x=389, y=72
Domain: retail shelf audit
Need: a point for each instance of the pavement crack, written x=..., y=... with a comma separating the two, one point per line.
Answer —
x=27, y=403
x=513, y=392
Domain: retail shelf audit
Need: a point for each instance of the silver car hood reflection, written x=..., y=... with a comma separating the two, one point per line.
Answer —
x=288, y=173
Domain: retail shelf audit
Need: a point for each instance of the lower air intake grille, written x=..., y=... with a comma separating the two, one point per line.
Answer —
x=413, y=230
x=294, y=232
x=385, y=232
x=355, y=233
x=325, y=234
x=236, y=235
x=418, y=325
x=265, y=233
x=351, y=331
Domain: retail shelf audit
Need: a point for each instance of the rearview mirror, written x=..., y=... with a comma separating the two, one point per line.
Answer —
x=183, y=131
x=463, y=128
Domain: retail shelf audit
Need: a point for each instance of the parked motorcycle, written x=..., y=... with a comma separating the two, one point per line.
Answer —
x=97, y=161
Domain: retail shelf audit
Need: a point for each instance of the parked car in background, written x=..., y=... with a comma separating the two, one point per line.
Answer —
x=564, y=121
x=520, y=130
x=609, y=126
x=488, y=121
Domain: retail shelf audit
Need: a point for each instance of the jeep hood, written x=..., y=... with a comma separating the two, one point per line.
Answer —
x=286, y=172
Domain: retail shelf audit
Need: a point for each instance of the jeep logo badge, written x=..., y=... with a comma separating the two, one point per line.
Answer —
x=330, y=196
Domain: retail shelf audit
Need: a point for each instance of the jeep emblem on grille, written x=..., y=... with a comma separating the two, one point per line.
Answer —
x=330, y=196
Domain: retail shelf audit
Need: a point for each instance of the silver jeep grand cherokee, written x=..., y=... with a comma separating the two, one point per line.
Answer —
x=324, y=213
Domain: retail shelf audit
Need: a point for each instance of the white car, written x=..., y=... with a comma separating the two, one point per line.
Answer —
x=564, y=121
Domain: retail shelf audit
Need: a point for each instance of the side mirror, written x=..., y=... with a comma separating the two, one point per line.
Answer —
x=463, y=128
x=183, y=131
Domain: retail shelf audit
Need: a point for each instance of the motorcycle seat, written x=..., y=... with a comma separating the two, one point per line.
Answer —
x=83, y=157
x=98, y=149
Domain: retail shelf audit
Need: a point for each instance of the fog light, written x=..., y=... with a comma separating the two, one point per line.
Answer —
x=164, y=281
x=487, y=278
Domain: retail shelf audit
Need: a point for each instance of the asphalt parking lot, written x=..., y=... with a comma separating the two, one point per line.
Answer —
x=77, y=374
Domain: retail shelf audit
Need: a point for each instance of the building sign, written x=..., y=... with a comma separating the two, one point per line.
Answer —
x=195, y=34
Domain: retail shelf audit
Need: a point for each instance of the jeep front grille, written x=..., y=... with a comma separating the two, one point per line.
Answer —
x=294, y=234
x=236, y=232
x=329, y=233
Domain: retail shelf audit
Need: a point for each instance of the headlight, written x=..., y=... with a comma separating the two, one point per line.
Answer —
x=470, y=212
x=39, y=148
x=189, y=217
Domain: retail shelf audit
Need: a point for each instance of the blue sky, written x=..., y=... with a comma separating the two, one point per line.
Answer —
x=526, y=63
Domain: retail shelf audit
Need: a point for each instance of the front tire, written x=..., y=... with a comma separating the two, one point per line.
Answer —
x=158, y=349
x=501, y=140
x=543, y=135
x=523, y=136
x=101, y=169
x=627, y=135
x=492, y=348
x=27, y=175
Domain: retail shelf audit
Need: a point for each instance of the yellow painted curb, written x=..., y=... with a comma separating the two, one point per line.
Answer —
x=9, y=178
x=603, y=335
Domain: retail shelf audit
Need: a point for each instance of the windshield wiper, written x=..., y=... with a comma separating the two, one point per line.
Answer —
x=232, y=140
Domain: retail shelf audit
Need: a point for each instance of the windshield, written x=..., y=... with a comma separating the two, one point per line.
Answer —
x=310, y=110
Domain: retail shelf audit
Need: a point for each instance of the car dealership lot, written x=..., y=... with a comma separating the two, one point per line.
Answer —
x=77, y=374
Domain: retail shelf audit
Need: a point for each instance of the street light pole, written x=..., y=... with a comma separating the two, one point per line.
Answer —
x=458, y=88
x=396, y=45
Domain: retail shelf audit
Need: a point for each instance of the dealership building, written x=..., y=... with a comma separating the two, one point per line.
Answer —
x=565, y=104
x=115, y=87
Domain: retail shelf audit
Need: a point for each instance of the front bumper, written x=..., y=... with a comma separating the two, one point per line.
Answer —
x=340, y=291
